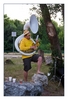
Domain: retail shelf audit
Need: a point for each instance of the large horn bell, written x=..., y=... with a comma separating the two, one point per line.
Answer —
x=33, y=24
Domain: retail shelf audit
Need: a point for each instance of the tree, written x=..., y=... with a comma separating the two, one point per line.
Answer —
x=55, y=8
x=52, y=34
x=9, y=27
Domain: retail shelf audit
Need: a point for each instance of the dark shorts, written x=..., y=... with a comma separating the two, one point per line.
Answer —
x=27, y=61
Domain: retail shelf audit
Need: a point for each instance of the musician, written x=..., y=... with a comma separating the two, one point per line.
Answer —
x=27, y=45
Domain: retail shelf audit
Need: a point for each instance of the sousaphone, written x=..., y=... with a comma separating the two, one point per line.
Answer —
x=33, y=25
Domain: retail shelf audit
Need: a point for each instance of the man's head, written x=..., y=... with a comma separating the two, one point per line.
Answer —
x=27, y=34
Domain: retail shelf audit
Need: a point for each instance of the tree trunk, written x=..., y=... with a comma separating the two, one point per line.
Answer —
x=63, y=11
x=52, y=34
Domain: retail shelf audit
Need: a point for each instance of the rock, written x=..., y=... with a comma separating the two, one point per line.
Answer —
x=48, y=60
x=34, y=88
x=42, y=79
x=8, y=61
x=23, y=89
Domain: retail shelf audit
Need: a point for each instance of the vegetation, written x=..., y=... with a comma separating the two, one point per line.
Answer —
x=15, y=70
x=14, y=66
x=17, y=26
x=47, y=45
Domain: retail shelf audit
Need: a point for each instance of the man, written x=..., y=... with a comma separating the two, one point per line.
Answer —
x=27, y=45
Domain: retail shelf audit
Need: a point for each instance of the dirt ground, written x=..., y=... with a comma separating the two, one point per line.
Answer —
x=53, y=89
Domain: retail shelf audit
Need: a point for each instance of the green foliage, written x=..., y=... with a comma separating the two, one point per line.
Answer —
x=60, y=32
x=17, y=26
x=16, y=69
x=55, y=8
x=9, y=27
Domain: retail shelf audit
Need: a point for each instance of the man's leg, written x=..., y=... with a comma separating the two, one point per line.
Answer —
x=27, y=67
x=25, y=75
x=37, y=58
x=39, y=64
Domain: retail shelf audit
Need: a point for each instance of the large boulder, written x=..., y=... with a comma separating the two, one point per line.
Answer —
x=22, y=89
x=40, y=78
x=33, y=88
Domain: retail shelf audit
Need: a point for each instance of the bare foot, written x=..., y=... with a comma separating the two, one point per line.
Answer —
x=40, y=73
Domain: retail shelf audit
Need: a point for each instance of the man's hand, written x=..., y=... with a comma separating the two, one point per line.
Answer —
x=34, y=47
x=37, y=41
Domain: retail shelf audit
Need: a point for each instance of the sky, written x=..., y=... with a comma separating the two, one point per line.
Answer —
x=21, y=11
x=18, y=11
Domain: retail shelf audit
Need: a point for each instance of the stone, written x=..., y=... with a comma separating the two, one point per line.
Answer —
x=8, y=61
x=23, y=89
x=48, y=60
x=42, y=79
x=33, y=88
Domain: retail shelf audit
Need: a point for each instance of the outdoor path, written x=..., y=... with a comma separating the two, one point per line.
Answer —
x=12, y=55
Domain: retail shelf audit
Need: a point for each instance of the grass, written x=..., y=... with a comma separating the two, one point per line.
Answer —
x=15, y=69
